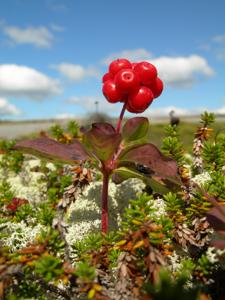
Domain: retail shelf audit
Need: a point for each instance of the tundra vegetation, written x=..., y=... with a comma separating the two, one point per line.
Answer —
x=102, y=213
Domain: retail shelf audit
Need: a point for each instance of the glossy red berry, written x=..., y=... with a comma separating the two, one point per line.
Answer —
x=111, y=92
x=146, y=71
x=130, y=109
x=119, y=64
x=141, y=99
x=133, y=65
x=156, y=87
x=106, y=77
x=126, y=80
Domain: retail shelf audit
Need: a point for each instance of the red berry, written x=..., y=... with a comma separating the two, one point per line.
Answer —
x=126, y=80
x=106, y=77
x=119, y=64
x=133, y=65
x=130, y=109
x=110, y=91
x=140, y=100
x=146, y=71
x=157, y=87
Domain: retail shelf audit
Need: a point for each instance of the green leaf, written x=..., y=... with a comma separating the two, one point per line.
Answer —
x=103, y=140
x=50, y=149
x=156, y=184
x=135, y=131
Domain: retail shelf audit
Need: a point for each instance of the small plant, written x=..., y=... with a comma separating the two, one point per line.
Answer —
x=116, y=152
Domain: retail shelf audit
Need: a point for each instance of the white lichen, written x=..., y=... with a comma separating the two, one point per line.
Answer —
x=202, y=178
x=159, y=206
x=19, y=235
x=84, y=215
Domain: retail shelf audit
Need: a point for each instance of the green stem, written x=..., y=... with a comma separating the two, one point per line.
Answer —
x=105, y=201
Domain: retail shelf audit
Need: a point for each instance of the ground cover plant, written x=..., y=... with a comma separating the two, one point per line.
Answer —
x=102, y=213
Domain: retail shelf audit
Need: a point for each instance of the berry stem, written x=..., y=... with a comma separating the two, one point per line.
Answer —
x=119, y=123
x=105, y=201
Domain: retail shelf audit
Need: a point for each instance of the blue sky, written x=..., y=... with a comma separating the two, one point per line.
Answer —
x=53, y=54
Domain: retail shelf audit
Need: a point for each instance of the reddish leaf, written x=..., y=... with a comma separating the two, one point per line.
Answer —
x=216, y=218
x=151, y=158
x=103, y=140
x=52, y=150
x=135, y=129
x=219, y=244
x=103, y=128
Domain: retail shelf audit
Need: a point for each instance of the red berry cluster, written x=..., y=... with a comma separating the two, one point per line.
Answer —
x=135, y=83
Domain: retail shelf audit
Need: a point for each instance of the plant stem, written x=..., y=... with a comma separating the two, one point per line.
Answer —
x=106, y=174
x=119, y=123
x=105, y=201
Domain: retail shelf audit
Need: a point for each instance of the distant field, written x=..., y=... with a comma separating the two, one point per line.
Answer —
x=187, y=127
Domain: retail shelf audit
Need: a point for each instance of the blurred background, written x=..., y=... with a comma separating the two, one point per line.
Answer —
x=53, y=54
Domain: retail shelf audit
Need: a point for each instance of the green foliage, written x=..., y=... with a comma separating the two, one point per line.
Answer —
x=207, y=118
x=135, y=131
x=213, y=155
x=56, y=184
x=26, y=289
x=186, y=269
x=6, y=194
x=204, y=266
x=138, y=244
x=24, y=213
x=169, y=289
x=48, y=267
x=197, y=207
x=175, y=205
x=56, y=131
x=85, y=272
x=45, y=214
x=65, y=181
x=138, y=212
x=50, y=236
x=73, y=128
x=92, y=242
x=216, y=186
x=11, y=159
x=171, y=145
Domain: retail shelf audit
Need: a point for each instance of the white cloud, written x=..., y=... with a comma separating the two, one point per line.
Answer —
x=57, y=5
x=220, y=110
x=182, y=71
x=22, y=81
x=7, y=108
x=219, y=38
x=164, y=111
x=88, y=103
x=38, y=36
x=133, y=55
x=220, y=54
x=182, y=112
x=63, y=116
x=57, y=28
x=205, y=47
x=178, y=71
x=75, y=72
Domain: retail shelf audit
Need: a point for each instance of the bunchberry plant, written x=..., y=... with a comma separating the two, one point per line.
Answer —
x=118, y=153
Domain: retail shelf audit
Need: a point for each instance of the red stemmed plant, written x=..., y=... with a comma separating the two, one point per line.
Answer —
x=119, y=151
